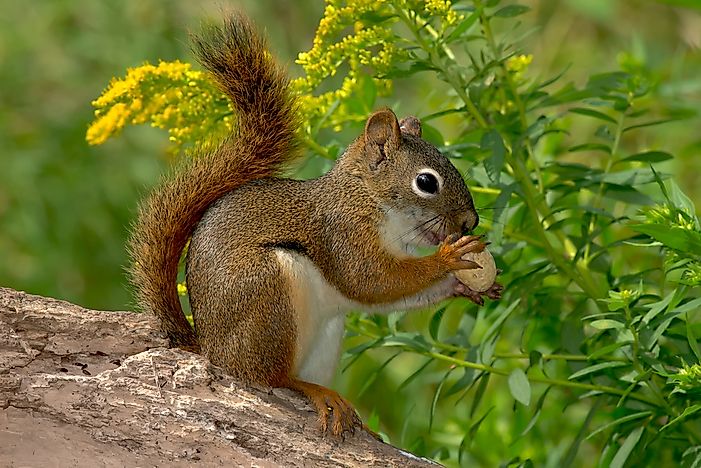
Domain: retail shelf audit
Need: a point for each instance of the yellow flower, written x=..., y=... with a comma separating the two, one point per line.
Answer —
x=442, y=8
x=518, y=63
x=170, y=95
x=106, y=125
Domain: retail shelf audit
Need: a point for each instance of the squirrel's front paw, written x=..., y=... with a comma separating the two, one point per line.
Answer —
x=454, y=247
x=494, y=292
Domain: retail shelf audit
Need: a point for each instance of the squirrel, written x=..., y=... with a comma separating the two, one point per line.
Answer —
x=273, y=264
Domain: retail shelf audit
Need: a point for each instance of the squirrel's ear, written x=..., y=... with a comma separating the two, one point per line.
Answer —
x=382, y=134
x=410, y=125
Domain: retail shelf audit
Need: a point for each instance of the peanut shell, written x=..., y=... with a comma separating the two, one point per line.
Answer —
x=479, y=279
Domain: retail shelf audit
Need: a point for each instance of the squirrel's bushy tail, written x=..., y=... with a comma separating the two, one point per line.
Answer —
x=262, y=143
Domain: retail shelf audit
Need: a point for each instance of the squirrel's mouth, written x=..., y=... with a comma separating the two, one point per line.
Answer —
x=435, y=237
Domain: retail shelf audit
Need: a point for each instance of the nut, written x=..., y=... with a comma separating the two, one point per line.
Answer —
x=479, y=279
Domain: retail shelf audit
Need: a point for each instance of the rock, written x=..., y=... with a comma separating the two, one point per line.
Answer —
x=85, y=388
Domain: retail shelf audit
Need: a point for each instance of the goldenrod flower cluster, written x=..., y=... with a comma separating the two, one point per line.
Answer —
x=517, y=65
x=372, y=48
x=170, y=95
x=441, y=9
x=687, y=379
x=683, y=219
x=368, y=49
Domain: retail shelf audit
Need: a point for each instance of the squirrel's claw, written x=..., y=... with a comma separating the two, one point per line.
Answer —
x=494, y=293
x=454, y=247
x=474, y=296
x=336, y=415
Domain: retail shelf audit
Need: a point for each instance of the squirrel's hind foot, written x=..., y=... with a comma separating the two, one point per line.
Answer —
x=336, y=414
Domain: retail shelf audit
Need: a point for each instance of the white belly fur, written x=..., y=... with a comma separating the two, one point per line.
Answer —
x=320, y=310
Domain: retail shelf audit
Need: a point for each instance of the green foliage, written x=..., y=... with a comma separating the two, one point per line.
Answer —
x=601, y=251
x=565, y=231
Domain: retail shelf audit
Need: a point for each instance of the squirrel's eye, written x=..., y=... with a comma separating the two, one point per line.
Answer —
x=427, y=183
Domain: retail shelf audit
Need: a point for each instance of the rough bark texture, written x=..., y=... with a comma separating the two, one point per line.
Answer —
x=89, y=388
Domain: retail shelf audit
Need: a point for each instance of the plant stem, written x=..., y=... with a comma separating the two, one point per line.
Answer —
x=600, y=192
x=450, y=77
x=537, y=379
x=553, y=357
x=534, y=197
x=504, y=372
x=316, y=147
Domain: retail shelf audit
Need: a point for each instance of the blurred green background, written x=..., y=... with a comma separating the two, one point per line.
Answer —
x=65, y=207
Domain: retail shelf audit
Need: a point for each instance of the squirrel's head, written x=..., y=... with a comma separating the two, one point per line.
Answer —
x=422, y=193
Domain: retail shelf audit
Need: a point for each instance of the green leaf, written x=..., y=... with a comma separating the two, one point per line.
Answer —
x=475, y=427
x=404, y=72
x=687, y=412
x=590, y=147
x=373, y=376
x=606, y=324
x=608, y=349
x=461, y=448
x=659, y=331
x=596, y=368
x=657, y=307
x=648, y=157
x=624, y=419
x=436, y=395
x=660, y=183
x=466, y=380
x=648, y=124
x=415, y=374
x=432, y=134
x=602, y=84
x=682, y=201
x=673, y=237
x=500, y=320
x=693, y=343
x=520, y=387
x=509, y=11
x=593, y=113
x=486, y=350
x=572, y=171
x=627, y=194
x=479, y=393
x=690, y=306
x=435, y=322
x=574, y=446
x=604, y=132
x=361, y=348
x=631, y=441
x=464, y=25
x=493, y=143
x=536, y=413
x=410, y=340
x=500, y=205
